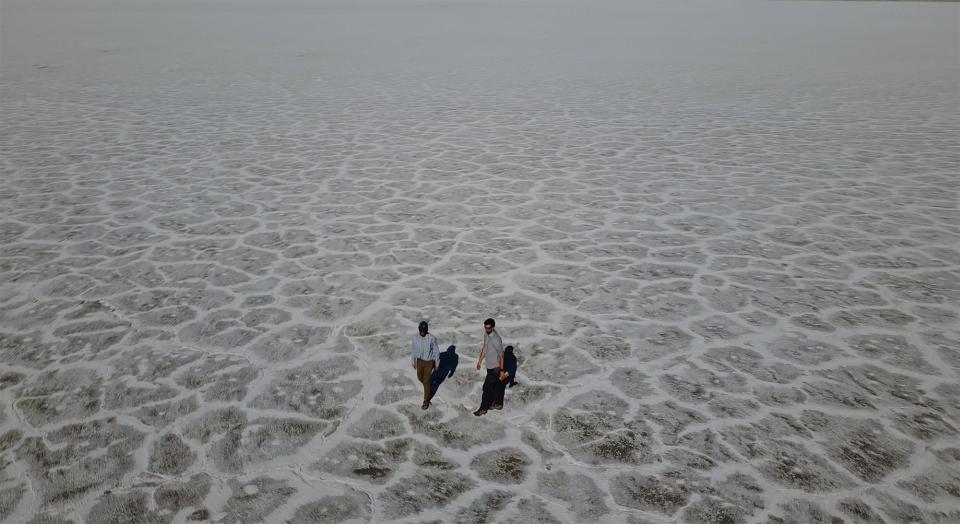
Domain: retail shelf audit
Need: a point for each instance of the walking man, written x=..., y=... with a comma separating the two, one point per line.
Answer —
x=425, y=356
x=491, y=355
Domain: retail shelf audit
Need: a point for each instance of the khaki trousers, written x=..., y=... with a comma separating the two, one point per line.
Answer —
x=424, y=371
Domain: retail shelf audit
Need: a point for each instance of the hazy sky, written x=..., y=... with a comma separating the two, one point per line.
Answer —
x=157, y=42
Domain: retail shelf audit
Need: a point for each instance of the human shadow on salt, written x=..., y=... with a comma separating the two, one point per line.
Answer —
x=448, y=364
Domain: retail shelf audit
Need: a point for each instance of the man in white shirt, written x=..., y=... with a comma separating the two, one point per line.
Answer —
x=425, y=357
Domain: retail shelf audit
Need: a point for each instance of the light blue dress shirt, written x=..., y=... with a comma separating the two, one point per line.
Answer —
x=425, y=348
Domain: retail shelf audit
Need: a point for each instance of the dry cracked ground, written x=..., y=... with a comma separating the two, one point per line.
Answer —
x=730, y=304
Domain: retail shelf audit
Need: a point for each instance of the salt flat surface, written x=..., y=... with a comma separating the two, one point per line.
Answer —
x=723, y=236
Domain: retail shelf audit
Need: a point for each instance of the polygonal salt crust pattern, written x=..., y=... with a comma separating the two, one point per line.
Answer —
x=734, y=294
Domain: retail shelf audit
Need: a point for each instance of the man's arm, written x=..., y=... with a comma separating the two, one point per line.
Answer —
x=480, y=358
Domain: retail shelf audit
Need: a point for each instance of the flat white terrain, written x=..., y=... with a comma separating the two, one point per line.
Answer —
x=723, y=236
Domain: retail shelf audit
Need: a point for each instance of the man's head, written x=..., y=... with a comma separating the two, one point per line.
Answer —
x=488, y=325
x=422, y=328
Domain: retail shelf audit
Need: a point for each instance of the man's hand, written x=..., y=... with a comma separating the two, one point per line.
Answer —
x=478, y=366
x=414, y=365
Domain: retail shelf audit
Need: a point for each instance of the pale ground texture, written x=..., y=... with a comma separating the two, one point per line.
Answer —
x=723, y=236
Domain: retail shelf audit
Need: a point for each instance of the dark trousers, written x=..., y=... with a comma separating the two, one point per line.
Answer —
x=490, y=385
x=424, y=370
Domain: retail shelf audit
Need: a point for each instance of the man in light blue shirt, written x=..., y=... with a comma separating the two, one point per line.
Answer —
x=425, y=357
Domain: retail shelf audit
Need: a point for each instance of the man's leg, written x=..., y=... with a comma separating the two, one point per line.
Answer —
x=427, y=378
x=424, y=370
x=489, y=384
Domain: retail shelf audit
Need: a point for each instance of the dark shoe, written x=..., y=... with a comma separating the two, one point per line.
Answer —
x=496, y=406
x=425, y=405
x=480, y=412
